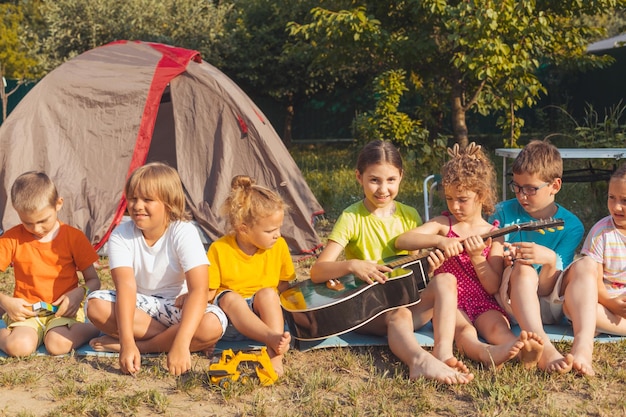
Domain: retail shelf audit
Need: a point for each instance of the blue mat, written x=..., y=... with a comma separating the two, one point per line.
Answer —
x=557, y=333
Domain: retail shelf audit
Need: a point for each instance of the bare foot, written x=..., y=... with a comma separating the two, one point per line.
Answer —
x=495, y=355
x=530, y=354
x=583, y=368
x=427, y=366
x=454, y=363
x=583, y=364
x=277, y=363
x=552, y=361
x=280, y=343
x=105, y=343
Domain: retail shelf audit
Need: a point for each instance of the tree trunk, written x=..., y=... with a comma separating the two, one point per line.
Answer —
x=289, y=113
x=458, y=118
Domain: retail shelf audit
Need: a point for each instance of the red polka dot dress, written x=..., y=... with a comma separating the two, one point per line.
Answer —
x=473, y=300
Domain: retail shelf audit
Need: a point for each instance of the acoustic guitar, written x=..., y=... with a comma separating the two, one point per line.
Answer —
x=317, y=311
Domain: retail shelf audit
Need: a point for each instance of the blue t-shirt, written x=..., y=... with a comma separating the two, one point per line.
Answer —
x=563, y=242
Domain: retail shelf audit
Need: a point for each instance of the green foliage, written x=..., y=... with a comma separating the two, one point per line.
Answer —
x=480, y=56
x=608, y=131
x=75, y=26
x=16, y=55
x=338, y=42
x=387, y=122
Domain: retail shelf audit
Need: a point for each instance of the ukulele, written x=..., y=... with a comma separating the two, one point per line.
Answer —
x=317, y=311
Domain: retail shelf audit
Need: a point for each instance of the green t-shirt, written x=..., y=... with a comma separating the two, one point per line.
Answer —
x=368, y=237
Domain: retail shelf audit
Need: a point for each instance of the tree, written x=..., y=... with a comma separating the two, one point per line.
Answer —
x=389, y=123
x=476, y=55
x=16, y=58
x=260, y=56
x=76, y=26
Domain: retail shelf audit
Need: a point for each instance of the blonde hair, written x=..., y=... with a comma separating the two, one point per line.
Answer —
x=539, y=158
x=249, y=202
x=471, y=169
x=33, y=191
x=160, y=182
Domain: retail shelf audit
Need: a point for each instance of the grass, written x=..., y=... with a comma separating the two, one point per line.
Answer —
x=365, y=381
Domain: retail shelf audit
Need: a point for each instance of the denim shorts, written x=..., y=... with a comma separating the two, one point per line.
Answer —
x=232, y=334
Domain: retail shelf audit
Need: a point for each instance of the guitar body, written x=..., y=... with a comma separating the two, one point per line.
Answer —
x=315, y=311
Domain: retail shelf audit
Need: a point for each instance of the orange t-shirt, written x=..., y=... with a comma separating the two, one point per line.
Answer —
x=45, y=271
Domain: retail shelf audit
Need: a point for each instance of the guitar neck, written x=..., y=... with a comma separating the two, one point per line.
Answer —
x=538, y=225
x=502, y=232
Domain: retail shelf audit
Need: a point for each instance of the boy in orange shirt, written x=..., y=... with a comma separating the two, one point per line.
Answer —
x=46, y=255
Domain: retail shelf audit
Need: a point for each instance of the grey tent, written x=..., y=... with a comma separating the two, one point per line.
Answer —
x=90, y=122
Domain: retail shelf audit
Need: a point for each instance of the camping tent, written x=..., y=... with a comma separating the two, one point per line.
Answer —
x=90, y=122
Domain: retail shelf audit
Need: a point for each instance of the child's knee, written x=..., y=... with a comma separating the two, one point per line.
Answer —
x=19, y=346
x=523, y=274
x=265, y=295
x=210, y=330
x=229, y=299
x=56, y=344
x=398, y=315
x=98, y=310
x=444, y=282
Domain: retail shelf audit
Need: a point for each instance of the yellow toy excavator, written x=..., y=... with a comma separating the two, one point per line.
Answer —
x=233, y=366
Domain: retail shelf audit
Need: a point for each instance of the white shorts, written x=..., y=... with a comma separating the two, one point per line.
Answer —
x=551, y=305
x=160, y=309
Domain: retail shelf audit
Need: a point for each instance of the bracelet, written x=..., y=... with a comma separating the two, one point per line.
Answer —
x=86, y=288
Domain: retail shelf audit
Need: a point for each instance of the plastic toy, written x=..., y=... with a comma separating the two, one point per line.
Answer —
x=233, y=366
x=43, y=308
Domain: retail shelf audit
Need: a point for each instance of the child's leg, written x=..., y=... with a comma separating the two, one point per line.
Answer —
x=152, y=336
x=441, y=296
x=267, y=306
x=206, y=336
x=398, y=326
x=580, y=289
x=468, y=343
x=609, y=322
x=527, y=312
x=19, y=341
x=102, y=315
x=268, y=328
x=493, y=326
x=62, y=339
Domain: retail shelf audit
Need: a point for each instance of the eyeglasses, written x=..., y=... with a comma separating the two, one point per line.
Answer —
x=527, y=189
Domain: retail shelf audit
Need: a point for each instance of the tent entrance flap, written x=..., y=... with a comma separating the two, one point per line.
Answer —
x=163, y=145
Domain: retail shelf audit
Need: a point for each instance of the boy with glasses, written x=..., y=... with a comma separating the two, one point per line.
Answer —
x=535, y=282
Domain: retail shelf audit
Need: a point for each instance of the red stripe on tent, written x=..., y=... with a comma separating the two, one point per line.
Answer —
x=259, y=116
x=173, y=62
x=243, y=126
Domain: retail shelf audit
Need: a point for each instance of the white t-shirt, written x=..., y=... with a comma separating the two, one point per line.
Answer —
x=159, y=269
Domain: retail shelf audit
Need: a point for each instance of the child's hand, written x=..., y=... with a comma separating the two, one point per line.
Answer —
x=180, y=300
x=474, y=245
x=370, y=271
x=617, y=305
x=130, y=359
x=436, y=258
x=178, y=362
x=528, y=253
x=18, y=309
x=450, y=246
x=70, y=302
x=509, y=253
